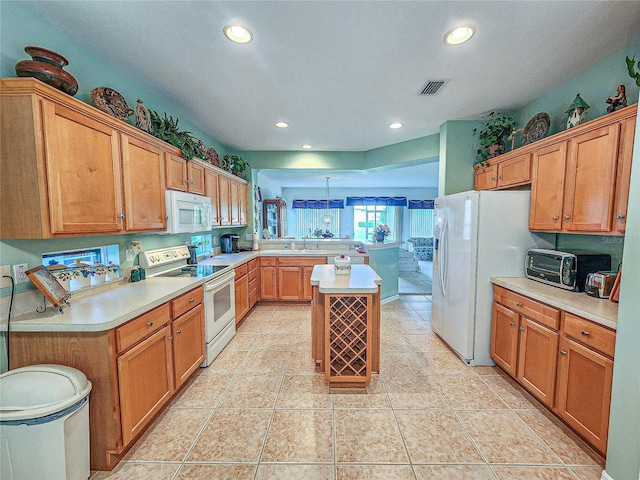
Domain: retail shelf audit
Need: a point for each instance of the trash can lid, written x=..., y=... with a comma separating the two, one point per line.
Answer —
x=39, y=390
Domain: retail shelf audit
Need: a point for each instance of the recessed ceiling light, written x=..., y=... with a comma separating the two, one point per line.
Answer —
x=306, y=146
x=460, y=34
x=396, y=125
x=237, y=33
x=281, y=124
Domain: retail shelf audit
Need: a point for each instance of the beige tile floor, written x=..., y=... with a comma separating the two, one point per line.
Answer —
x=261, y=412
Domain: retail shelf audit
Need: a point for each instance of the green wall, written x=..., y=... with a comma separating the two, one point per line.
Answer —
x=623, y=461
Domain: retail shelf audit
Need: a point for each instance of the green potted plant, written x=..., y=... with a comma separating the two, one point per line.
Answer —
x=167, y=129
x=631, y=67
x=236, y=164
x=492, y=136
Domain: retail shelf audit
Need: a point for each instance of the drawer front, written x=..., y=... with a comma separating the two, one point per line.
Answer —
x=589, y=333
x=138, y=328
x=253, y=285
x=241, y=271
x=532, y=309
x=186, y=302
x=252, y=264
x=268, y=261
x=253, y=273
x=253, y=297
x=302, y=262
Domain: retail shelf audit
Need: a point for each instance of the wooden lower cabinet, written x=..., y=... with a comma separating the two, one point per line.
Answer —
x=568, y=368
x=242, y=292
x=254, y=282
x=135, y=369
x=145, y=382
x=287, y=278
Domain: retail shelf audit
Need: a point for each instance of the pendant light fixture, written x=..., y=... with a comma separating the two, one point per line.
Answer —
x=327, y=215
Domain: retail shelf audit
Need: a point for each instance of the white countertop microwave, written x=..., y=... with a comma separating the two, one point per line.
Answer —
x=187, y=212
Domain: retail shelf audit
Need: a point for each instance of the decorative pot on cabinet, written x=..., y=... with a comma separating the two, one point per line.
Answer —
x=46, y=65
x=379, y=237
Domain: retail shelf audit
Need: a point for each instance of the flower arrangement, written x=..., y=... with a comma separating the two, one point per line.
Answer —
x=318, y=232
x=382, y=229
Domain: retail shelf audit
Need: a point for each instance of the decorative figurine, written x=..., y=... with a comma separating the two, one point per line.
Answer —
x=618, y=101
x=143, y=117
x=577, y=112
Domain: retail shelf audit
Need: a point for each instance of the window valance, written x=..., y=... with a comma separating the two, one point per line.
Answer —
x=378, y=201
x=318, y=204
x=422, y=204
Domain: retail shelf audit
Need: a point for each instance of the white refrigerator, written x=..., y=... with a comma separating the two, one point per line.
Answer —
x=478, y=235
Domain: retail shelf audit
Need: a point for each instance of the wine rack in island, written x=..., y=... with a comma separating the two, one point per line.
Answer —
x=348, y=341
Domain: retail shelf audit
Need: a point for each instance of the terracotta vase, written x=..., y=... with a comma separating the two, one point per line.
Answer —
x=46, y=66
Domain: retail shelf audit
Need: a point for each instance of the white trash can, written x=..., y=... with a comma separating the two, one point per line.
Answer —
x=44, y=423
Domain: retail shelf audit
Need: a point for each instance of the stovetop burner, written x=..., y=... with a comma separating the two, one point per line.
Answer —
x=193, y=271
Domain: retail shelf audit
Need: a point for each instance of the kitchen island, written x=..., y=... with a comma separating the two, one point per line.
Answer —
x=345, y=325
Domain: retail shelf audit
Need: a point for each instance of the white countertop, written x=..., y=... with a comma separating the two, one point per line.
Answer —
x=112, y=305
x=362, y=279
x=598, y=310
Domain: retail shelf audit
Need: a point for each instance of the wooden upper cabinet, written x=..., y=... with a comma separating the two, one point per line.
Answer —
x=623, y=178
x=176, y=172
x=184, y=176
x=69, y=169
x=506, y=171
x=144, y=185
x=224, y=190
x=82, y=158
x=547, y=187
x=590, y=180
x=243, y=204
x=486, y=177
x=211, y=191
x=195, y=177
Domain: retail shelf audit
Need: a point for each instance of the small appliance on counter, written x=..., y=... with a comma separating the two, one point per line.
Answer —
x=600, y=284
x=193, y=256
x=566, y=270
x=229, y=243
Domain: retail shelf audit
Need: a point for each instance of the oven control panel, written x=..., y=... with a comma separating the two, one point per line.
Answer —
x=163, y=256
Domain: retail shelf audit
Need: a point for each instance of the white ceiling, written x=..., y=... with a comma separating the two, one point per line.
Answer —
x=339, y=72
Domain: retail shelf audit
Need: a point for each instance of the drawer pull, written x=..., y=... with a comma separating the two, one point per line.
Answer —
x=566, y=217
x=555, y=217
x=170, y=338
x=521, y=329
x=512, y=323
x=179, y=332
x=562, y=352
x=518, y=304
x=149, y=324
x=191, y=300
x=585, y=333
x=619, y=216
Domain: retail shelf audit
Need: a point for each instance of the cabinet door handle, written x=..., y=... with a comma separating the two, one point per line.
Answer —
x=521, y=329
x=566, y=217
x=584, y=332
x=170, y=338
x=518, y=304
x=121, y=216
x=512, y=323
x=555, y=217
x=619, y=216
x=179, y=332
x=191, y=300
x=562, y=352
x=499, y=177
x=149, y=324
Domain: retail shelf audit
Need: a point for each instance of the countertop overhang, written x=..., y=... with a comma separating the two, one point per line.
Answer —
x=362, y=279
x=598, y=310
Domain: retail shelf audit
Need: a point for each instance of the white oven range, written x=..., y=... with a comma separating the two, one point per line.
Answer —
x=219, y=293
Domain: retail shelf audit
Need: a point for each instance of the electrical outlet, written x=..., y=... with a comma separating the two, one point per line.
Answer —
x=248, y=237
x=5, y=271
x=18, y=273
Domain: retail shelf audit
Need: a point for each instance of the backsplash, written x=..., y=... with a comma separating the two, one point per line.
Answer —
x=593, y=243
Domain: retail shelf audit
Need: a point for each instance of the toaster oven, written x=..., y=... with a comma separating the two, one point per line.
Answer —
x=566, y=270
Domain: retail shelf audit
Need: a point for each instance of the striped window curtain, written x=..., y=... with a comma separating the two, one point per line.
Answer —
x=308, y=219
x=421, y=222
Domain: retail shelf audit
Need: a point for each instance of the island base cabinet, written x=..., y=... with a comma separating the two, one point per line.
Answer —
x=145, y=382
x=584, y=391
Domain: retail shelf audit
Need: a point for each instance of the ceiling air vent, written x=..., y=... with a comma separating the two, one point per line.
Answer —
x=432, y=87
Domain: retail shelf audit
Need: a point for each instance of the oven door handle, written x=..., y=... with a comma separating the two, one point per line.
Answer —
x=218, y=282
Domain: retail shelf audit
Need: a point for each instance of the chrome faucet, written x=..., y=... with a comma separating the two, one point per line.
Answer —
x=304, y=241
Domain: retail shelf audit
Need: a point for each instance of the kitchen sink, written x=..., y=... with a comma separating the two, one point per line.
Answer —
x=300, y=252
